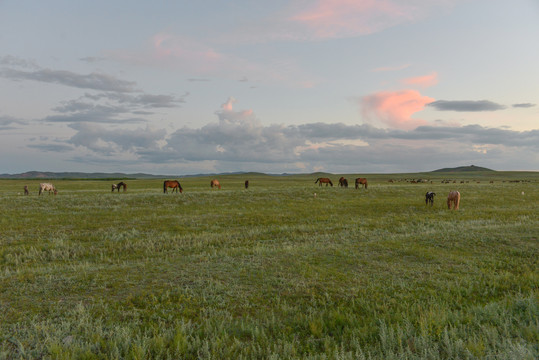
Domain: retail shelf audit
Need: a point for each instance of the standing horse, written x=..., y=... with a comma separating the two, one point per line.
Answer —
x=26, y=192
x=215, y=183
x=321, y=181
x=361, y=181
x=343, y=182
x=246, y=184
x=429, y=198
x=47, y=187
x=174, y=184
x=453, y=198
x=118, y=186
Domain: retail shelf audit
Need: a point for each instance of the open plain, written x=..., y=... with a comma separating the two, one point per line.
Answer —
x=282, y=270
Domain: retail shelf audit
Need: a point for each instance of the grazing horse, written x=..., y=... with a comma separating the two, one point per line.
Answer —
x=47, y=187
x=118, y=186
x=429, y=198
x=453, y=198
x=361, y=181
x=26, y=192
x=321, y=181
x=343, y=182
x=174, y=184
x=215, y=183
x=246, y=184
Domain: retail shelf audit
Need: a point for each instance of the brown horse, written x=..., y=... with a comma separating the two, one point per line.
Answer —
x=246, y=184
x=343, y=182
x=454, y=199
x=174, y=184
x=361, y=181
x=215, y=183
x=321, y=181
x=26, y=192
x=118, y=186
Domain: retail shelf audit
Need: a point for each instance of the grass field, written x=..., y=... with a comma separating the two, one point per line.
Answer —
x=273, y=271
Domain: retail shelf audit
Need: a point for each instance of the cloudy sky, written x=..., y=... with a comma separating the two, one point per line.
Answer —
x=297, y=86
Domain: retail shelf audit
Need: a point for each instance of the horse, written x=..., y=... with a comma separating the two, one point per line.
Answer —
x=246, y=184
x=26, y=192
x=343, y=182
x=429, y=198
x=47, y=187
x=361, y=181
x=118, y=186
x=321, y=181
x=174, y=184
x=215, y=183
x=453, y=198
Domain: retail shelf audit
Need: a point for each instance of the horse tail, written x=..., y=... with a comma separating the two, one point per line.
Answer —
x=366, y=184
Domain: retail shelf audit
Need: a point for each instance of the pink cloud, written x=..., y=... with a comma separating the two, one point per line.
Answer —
x=342, y=18
x=395, y=108
x=423, y=81
x=178, y=50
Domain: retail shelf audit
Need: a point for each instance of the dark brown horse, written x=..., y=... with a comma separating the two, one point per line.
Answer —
x=246, y=184
x=118, y=186
x=361, y=181
x=321, y=181
x=174, y=184
x=215, y=183
x=343, y=182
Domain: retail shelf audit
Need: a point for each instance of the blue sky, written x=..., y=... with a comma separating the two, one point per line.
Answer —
x=344, y=86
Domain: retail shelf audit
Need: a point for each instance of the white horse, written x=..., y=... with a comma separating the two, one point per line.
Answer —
x=47, y=187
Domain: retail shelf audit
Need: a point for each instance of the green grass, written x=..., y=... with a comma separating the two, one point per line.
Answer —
x=271, y=272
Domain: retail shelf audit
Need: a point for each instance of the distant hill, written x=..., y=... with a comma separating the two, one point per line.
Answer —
x=100, y=175
x=464, y=169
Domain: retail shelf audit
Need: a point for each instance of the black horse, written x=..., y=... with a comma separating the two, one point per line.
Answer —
x=429, y=198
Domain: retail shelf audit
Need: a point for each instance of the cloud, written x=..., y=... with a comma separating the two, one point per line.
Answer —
x=7, y=122
x=238, y=140
x=107, y=142
x=395, y=108
x=524, y=105
x=11, y=61
x=94, y=81
x=422, y=81
x=52, y=147
x=466, y=105
x=326, y=19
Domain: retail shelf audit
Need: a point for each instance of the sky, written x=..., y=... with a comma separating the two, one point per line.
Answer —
x=281, y=86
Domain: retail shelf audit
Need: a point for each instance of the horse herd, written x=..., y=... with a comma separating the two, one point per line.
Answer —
x=453, y=199
x=342, y=182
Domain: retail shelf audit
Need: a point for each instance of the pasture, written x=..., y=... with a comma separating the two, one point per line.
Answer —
x=273, y=271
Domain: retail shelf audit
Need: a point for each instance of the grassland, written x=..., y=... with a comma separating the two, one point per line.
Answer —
x=273, y=271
